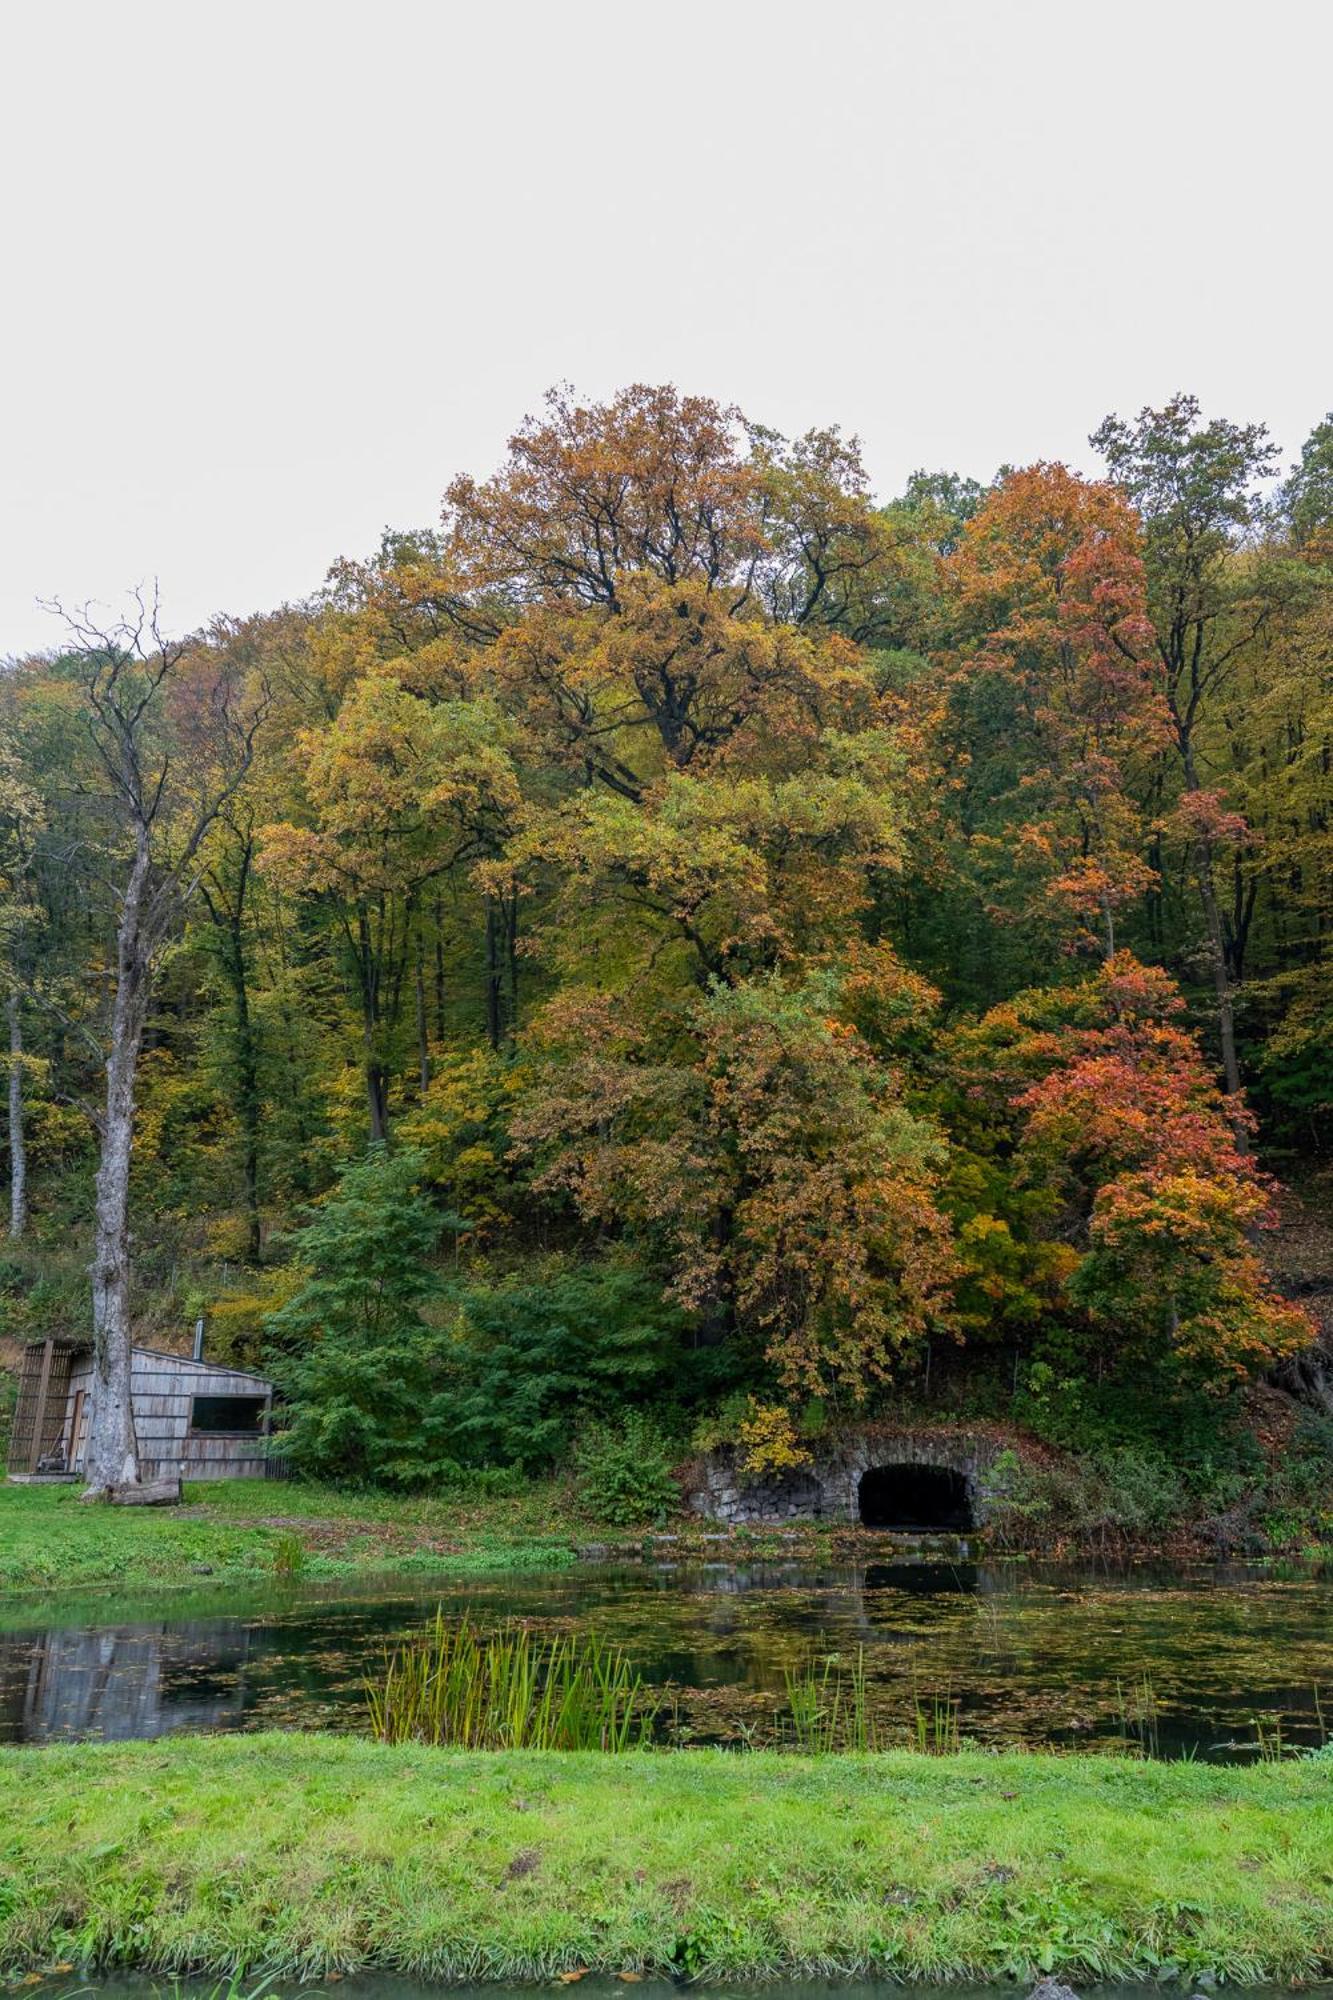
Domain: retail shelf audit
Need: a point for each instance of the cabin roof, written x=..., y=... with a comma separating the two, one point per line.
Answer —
x=76, y=1346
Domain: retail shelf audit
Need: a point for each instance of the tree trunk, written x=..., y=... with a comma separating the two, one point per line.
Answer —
x=1226, y=1013
x=369, y=969
x=511, y=960
x=494, y=1013
x=439, y=973
x=423, y=1032
x=18, y=1152
x=377, y=1102
x=113, y=1448
x=248, y=1105
x=1217, y=945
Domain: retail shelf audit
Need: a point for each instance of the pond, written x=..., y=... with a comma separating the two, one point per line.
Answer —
x=1182, y=1661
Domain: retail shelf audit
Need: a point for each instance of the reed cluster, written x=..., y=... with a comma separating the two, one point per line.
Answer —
x=829, y=1711
x=936, y=1729
x=827, y=1707
x=508, y=1690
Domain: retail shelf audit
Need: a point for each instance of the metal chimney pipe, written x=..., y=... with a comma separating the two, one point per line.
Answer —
x=199, y=1338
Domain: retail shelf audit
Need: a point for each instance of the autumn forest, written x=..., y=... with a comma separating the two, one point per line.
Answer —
x=684, y=949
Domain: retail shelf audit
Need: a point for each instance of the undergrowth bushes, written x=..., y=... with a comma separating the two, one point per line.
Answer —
x=1104, y=1501
x=625, y=1472
x=1125, y=1497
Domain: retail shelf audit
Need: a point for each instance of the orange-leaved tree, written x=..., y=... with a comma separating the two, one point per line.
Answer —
x=1133, y=1138
x=762, y=1152
x=1056, y=694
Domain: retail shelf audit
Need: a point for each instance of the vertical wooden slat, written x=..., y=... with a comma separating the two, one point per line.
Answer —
x=39, y=1423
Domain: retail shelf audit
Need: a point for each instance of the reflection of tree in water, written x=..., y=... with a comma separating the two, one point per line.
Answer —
x=119, y=1682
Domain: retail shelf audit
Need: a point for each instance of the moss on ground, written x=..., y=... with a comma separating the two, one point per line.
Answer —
x=305, y=1855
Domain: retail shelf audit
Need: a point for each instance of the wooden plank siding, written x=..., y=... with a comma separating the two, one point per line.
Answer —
x=163, y=1387
x=43, y=1403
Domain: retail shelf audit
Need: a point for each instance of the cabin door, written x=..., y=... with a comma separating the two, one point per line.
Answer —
x=78, y=1430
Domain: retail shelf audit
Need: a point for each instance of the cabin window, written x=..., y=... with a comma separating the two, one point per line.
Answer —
x=236, y=1416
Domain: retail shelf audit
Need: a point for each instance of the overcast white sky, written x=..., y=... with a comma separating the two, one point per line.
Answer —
x=273, y=272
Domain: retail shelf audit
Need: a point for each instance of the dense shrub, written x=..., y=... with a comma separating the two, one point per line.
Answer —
x=1148, y=1412
x=625, y=1472
x=1106, y=1500
x=1295, y=1510
x=44, y=1293
x=392, y=1374
x=530, y=1359
x=351, y=1348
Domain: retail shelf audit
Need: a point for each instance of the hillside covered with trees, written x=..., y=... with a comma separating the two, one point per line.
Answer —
x=684, y=951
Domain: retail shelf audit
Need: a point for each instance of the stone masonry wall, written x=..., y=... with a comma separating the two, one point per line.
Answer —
x=827, y=1488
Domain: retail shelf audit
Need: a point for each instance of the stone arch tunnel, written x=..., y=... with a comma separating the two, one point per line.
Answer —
x=915, y=1482
x=927, y=1499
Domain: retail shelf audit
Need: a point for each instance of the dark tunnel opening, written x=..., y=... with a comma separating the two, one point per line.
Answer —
x=915, y=1496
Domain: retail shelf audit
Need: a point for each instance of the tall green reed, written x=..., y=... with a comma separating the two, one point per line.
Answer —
x=936, y=1725
x=828, y=1709
x=508, y=1691
x=1140, y=1717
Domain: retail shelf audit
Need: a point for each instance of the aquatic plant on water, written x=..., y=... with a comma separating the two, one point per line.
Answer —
x=936, y=1729
x=828, y=1709
x=509, y=1690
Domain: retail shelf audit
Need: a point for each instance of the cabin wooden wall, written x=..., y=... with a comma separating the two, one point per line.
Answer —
x=163, y=1387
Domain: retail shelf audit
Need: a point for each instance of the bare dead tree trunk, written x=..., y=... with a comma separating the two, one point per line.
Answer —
x=167, y=780
x=18, y=1152
x=113, y=1447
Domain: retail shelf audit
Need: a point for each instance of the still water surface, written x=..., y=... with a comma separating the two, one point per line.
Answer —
x=1183, y=1658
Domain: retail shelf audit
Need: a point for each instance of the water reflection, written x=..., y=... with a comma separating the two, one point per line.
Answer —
x=1185, y=1658
x=123, y=1681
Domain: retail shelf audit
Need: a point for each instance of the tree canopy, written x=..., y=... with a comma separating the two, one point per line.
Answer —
x=839, y=935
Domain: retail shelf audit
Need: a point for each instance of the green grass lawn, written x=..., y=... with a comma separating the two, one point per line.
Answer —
x=253, y=1528
x=304, y=1855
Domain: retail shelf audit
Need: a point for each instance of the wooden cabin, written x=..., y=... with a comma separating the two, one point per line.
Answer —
x=193, y=1419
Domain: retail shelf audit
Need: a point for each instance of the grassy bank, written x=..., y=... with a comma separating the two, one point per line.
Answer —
x=306, y=1855
x=248, y=1529
x=253, y=1530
